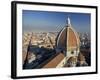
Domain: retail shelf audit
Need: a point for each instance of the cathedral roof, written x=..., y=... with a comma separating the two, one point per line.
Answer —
x=67, y=37
x=55, y=61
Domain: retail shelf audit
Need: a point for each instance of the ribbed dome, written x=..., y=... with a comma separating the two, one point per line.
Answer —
x=62, y=38
x=72, y=37
x=67, y=38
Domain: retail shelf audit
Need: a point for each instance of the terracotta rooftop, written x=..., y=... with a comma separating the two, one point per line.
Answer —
x=67, y=36
x=61, y=38
x=55, y=61
x=73, y=39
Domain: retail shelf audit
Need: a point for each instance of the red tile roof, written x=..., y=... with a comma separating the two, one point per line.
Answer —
x=55, y=61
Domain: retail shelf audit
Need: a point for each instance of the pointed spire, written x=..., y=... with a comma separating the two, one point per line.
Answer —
x=68, y=22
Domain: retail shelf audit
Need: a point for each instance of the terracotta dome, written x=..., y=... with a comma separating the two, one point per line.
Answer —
x=67, y=38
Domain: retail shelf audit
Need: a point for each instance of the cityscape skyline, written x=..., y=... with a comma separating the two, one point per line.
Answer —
x=55, y=40
x=47, y=21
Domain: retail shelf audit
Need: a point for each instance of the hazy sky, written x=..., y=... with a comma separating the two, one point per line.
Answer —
x=43, y=21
